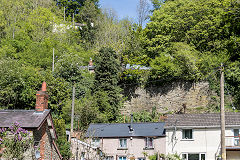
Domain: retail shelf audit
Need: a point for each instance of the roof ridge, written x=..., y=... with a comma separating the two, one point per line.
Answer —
x=124, y=123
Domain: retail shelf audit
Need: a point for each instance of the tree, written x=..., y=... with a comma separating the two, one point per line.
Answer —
x=18, y=85
x=88, y=15
x=63, y=144
x=111, y=32
x=73, y=6
x=157, y=4
x=193, y=22
x=143, y=9
x=106, y=89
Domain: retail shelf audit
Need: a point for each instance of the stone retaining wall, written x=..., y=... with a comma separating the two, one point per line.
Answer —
x=172, y=97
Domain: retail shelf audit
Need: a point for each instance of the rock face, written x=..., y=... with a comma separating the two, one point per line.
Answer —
x=173, y=97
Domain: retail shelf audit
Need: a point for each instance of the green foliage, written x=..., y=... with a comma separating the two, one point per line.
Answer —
x=73, y=6
x=153, y=157
x=157, y=4
x=179, y=61
x=18, y=84
x=141, y=116
x=106, y=89
x=63, y=144
x=193, y=22
x=15, y=141
x=111, y=33
x=88, y=15
x=165, y=157
x=69, y=68
x=173, y=157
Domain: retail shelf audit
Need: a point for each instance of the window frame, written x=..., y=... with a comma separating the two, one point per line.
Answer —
x=122, y=157
x=120, y=139
x=236, y=138
x=109, y=158
x=183, y=134
x=199, y=153
x=147, y=143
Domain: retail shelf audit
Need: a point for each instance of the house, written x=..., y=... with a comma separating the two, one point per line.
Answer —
x=84, y=151
x=137, y=67
x=40, y=125
x=122, y=141
x=81, y=150
x=197, y=136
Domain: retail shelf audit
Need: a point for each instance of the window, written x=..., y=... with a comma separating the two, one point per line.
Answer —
x=187, y=134
x=96, y=142
x=82, y=155
x=122, y=158
x=108, y=158
x=148, y=142
x=193, y=156
x=123, y=143
x=236, y=137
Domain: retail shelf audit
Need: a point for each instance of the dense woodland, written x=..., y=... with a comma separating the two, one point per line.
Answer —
x=185, y=40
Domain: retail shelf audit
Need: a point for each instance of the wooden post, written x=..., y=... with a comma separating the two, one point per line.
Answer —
x=223, y=147
x=73, y=22
x=64, y=13
x=53, y=62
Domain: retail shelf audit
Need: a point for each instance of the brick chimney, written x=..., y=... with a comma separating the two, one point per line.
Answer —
x=42, y=99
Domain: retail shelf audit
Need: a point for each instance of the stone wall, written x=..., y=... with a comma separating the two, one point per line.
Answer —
x=46, y=146
x=171, y=97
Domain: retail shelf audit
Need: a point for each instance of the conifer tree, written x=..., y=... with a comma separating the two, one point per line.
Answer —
x=107, y=91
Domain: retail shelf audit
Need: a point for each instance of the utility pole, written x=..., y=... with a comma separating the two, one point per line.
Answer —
x=223, y=147
x=72, y=116
x=73, y=22
x=53, y=62
x=64, y=13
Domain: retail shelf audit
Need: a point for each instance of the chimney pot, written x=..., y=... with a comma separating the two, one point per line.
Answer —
x=44, y=86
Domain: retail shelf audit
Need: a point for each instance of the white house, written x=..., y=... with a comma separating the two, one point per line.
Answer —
x=128, y=141
x=197, y=136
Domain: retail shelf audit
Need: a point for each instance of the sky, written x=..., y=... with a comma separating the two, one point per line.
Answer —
x=123, y=8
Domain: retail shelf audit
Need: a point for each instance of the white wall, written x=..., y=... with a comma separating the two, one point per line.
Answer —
x=135, y=147
x=205, y=140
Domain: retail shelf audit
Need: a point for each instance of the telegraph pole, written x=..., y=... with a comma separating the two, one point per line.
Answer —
x=53, y=61
x=73, y=22
x=223, y=147
x=64, y=14
x=72, y=116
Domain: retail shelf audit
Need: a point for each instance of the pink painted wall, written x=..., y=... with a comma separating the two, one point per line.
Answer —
x=135, y=147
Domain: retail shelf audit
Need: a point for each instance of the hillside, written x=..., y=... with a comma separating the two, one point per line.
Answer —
x=181, y=49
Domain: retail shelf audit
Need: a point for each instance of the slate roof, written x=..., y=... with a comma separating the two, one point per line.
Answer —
x=26, y=118
x=122, y=130
x=202, y=120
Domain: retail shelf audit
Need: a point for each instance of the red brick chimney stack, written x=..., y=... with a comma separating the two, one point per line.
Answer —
x=42, y=99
